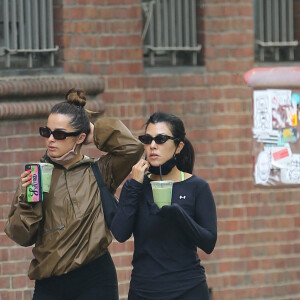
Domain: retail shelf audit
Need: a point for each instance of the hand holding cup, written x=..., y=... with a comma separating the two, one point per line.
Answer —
x=162, y=192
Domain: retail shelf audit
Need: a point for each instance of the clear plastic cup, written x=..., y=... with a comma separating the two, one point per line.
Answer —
x=162, y=192
x=46, y=176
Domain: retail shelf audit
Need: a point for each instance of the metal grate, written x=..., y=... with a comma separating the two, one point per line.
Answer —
x=170, y=26
x=275, y=27
x=27, y=28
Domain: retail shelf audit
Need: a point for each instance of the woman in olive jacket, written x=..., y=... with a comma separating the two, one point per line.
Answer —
x=70, y=236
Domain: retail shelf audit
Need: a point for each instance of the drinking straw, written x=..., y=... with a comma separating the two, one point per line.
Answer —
x=160, y=173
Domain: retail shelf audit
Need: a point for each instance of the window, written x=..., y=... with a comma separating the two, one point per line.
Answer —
x=26, y=34
x=274, y=30
x=170, y=32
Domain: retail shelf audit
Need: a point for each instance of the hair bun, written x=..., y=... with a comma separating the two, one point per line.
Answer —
x=76, y=97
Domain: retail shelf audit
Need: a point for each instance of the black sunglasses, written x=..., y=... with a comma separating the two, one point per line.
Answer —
x=57, y=134
x=159, y=139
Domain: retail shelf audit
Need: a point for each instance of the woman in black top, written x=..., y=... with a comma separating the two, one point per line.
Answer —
x=165, y=261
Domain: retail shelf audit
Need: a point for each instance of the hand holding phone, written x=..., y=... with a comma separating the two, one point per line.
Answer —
x=34, y=192
x=26, y=179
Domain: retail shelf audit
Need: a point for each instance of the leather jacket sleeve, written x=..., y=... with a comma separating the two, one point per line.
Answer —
x=23, y=220
x=122, y=148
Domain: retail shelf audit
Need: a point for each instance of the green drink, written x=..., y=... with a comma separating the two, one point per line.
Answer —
x=46, y=176
x=162, y=192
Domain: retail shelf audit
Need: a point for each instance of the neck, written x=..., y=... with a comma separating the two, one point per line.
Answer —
x=174, y=175
x=78, y=158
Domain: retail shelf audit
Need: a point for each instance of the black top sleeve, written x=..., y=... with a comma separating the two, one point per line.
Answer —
x=203, y=229
x=123, y=223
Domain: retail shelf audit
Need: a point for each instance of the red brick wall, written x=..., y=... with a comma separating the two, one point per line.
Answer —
x=297, y=26
x=257, y=253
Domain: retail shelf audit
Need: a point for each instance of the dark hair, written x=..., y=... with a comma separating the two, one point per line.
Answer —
x=186, y=158
x=74, y=107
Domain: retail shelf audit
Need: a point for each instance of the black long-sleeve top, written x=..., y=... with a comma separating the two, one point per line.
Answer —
x=165, y=260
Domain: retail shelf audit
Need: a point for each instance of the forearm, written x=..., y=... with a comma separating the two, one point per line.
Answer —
x=113, y=137
x=201, y=228
x=123, y=223
x=203, y=237
x=23, y=220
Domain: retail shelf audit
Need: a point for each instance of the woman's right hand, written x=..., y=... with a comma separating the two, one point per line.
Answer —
x=26, y=178
x=139, y=170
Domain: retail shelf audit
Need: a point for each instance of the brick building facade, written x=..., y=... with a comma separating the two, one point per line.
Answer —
x=257, y=253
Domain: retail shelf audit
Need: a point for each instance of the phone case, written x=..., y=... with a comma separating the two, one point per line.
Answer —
x=34, y=192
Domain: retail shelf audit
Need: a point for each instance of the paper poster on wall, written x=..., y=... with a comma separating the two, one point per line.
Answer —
x=276, y=135
x=291, y=175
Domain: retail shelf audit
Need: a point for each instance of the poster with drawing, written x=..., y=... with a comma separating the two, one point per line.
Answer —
x=276, y=120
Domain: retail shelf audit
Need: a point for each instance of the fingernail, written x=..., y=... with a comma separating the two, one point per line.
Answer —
x=29, y=181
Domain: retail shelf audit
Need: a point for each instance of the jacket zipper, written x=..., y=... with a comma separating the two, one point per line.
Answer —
x=69, y=193
x=54, y=229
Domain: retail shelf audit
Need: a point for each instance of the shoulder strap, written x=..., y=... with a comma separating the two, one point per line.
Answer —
x=109, y=201
x=97, y=174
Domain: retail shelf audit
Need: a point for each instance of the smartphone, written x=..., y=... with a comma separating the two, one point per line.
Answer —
x=34, y=192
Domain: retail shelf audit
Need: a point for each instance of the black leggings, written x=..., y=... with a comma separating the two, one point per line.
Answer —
x=95, y=281
x=199, y=292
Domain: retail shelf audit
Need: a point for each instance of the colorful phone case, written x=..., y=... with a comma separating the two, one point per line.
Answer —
x=34, y=190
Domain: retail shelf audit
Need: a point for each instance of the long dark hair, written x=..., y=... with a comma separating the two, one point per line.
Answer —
x=186, y=158
x=74, y=107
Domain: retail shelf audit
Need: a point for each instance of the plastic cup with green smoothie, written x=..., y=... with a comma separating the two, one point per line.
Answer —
x=162, y=192
x=46, y=176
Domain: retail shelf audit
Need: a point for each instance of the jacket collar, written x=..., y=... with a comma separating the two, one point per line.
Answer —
x=86, y=160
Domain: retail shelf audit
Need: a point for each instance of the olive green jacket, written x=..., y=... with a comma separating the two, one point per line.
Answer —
x=68, y=227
